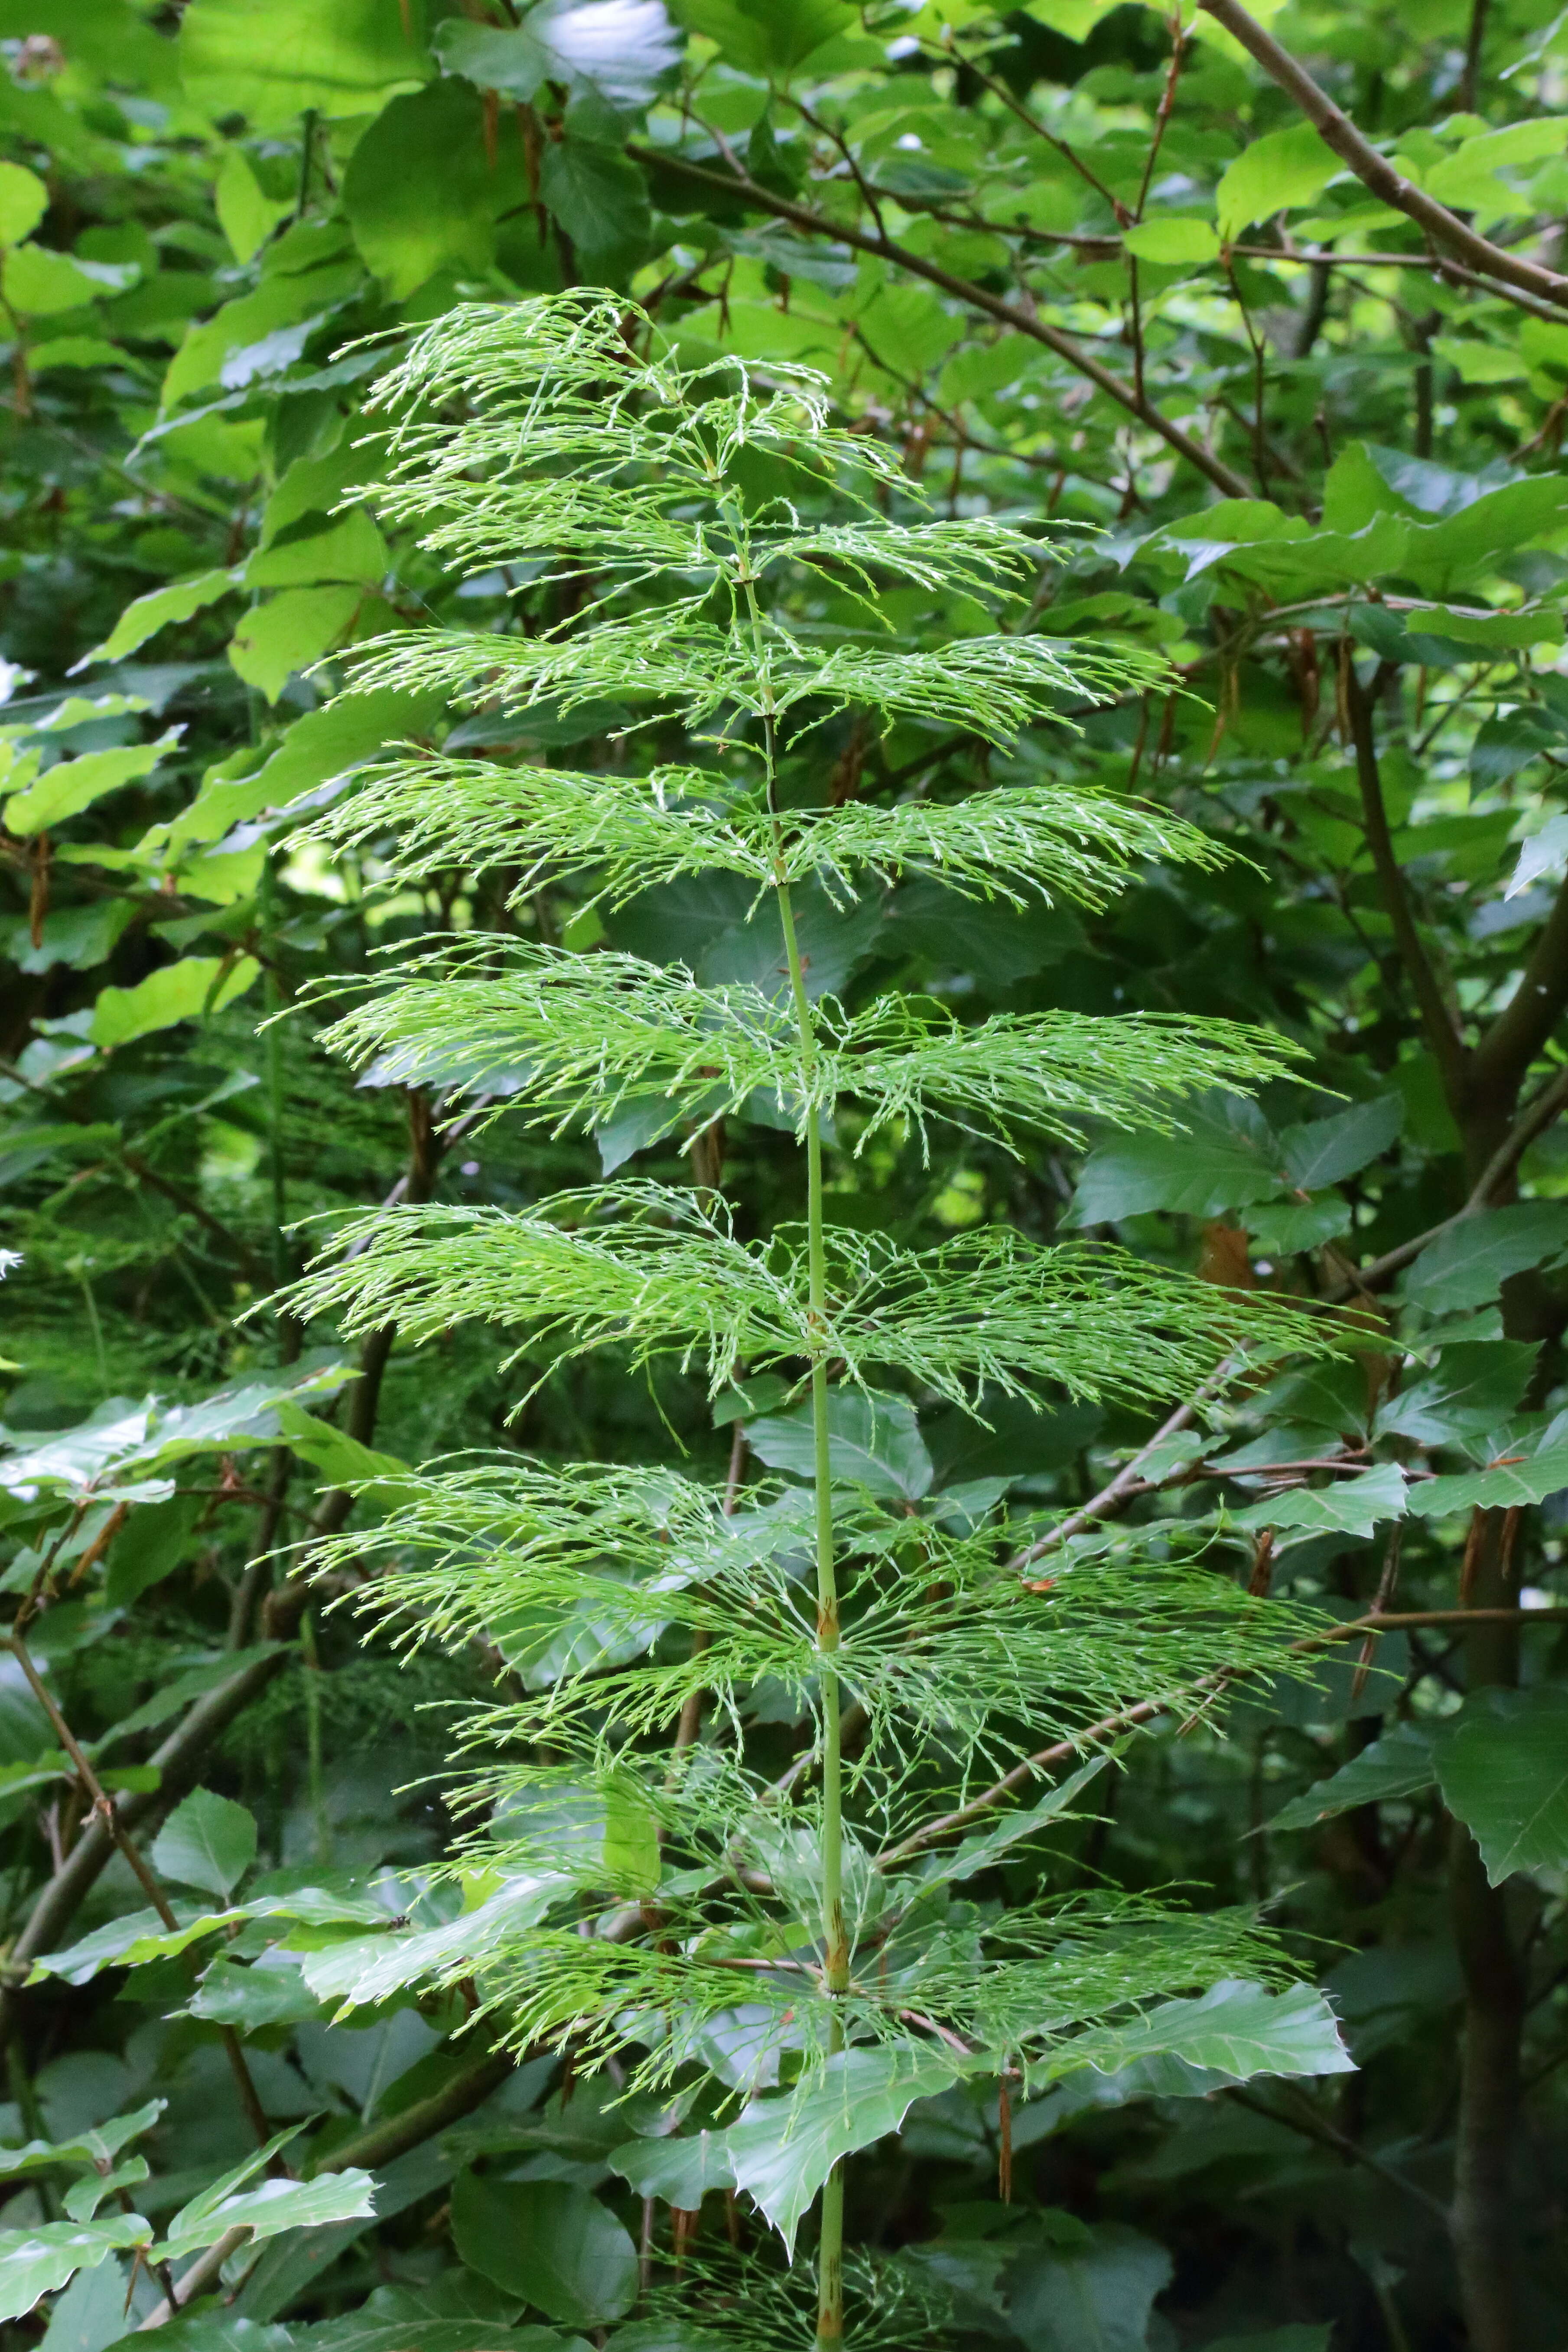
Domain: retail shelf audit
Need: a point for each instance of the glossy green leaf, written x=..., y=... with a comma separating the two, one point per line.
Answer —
x=269, y=2210
x=1351, y=1506
x=1399, y=1764
x=247, y=217
x=34, y=2262
x=1465, y=1266
x=208, y=1842
x=38, y=281
x=96, y=2148
x=621, y=48
x=368, y=1969
x=1234, y=2029
x=783, y=2148
x=419, y=191
x=289, y=633
x=1173, y=243
x=548, y=2241
x=1094, y=2296
x=23, y=200
x=145, y=616
x=874, y=1441
x=270, y=60
x=72, y=785
x=1508, y=1484
x=1272, y=174
x=1326, y=1150
x=763, y=39
x=1226, y=1160
x=190, y=989
x=599, y=197
x=1502, y=1767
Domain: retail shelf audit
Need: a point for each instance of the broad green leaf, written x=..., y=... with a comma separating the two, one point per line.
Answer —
x=873, y=1441
x=316, y=749
x=350, y=548
x=97, y=2147
x=681, y=2167
x=1467, y=179
x=1502, y=1766
x=1274, y=175
x=1280, y=1227
x=1236, y=2028
x=34, y=2262
x=90, y=2313
x=1477, y=361
x=145, y=616
x=256, y=332
x=1349, y=1506
x=187, y=991
x=83, y=2197
x=1468, y=1264
x=268, y=2209
x=1226, y=1160
x=72, y=785
x=763, y=40
x=1541, y=625
x=1326, y=1150
x=783, y=2148
x=129, y=1943
x=37, y=281
x=1474, y=1388
x=1543, y=853
x=192, y=2217
x=619, y=48
x=271, y=60
x=76, y=1459
x=332, y=1452
x=1504, y=746
x=24, y=201
x=1173, y=243
x=1397, y=1765
x=368, y=1969
x=600, y=198
x=1515, y=1481
x=289, y=633
x=548, y=2241
x=208, y=1842
x=252, y=1998
x=707, y=924
x=246, y=215
x=1094, y=2297
x=1442, y=557
x=418, y=190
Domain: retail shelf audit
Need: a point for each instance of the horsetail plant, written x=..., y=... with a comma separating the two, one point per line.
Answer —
x=783, y=1957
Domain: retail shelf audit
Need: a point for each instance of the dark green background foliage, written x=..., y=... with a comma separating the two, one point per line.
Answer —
x=1303, y=420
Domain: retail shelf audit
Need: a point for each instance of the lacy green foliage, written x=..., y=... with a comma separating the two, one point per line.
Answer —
x=145, y=1184
x=586, y=1035
x=624, y=1600
x=628, y=833
x=664, y=1273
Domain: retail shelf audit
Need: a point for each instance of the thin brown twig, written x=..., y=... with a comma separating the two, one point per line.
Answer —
x=1339, y=132
x=104, y=1807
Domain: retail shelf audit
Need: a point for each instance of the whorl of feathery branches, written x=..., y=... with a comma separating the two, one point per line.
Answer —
x=564, y=434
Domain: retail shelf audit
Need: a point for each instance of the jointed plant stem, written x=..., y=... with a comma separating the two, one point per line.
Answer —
x=830, y=2308
x=835, y=1974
